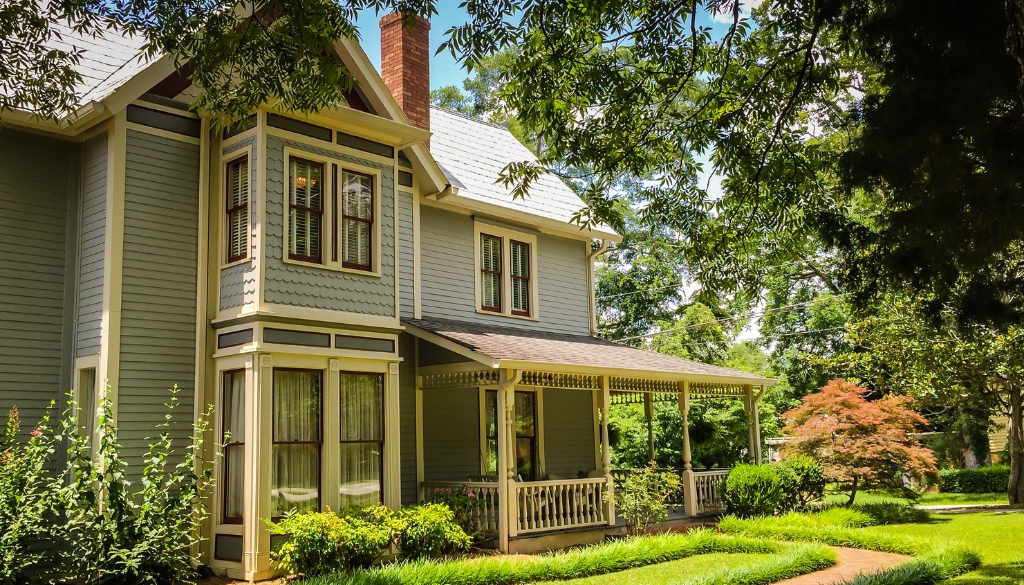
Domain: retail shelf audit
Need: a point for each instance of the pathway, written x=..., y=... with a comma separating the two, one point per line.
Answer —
x=851, y=562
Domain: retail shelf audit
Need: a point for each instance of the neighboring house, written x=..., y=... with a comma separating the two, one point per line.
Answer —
x=372, y=318
x=998, y=439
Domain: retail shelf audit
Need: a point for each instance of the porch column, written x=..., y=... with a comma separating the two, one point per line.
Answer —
x=507, y=512
x=753, y=433
x=606, y=452
x=649, y=415
x=689, y=480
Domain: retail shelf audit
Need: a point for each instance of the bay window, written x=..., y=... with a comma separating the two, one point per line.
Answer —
x=297, y=441
x=237, y=210
x=361, y=464
x=233, y=439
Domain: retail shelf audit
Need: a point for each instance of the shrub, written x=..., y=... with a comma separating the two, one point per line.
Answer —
x=640, y=500
x=924, y=571
x=465, y=507
x=982, y=480
x=802, y=481
x=837, y=516
x=430, y=530
x=893, y=513
x=27, y=500
x=320, y=543
x=118, y=535
x=800, y=527
x=752, y=490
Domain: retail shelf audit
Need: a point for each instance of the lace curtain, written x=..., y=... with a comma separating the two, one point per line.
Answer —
x=234, y=449
x=295, y=481
x=362, y=439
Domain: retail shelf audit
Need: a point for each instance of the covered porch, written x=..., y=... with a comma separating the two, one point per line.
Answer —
x=541, y=464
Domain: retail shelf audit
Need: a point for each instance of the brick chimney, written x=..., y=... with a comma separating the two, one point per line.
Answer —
x=405, y=66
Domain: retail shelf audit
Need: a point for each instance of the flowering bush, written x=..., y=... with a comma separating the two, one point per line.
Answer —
x=464, y=504
x=320, y=543
x=640, y=501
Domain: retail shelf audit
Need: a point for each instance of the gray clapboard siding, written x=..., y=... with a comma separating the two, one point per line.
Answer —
x=447, y=275
x=303, y=286
x=407, y=416
x=568, y=432
x=92, y=246
x=34, y=205
x=451, y=434
x=158, y=307
x=406, y=292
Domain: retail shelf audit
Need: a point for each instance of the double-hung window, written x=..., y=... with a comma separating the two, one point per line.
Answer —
x=490, y=273
x=526, y=433
x=237, y=210
x=332, y=214
x=506, y=262
x=361, y=467
x=233, y=439
x=305, y=210
x=297, y=441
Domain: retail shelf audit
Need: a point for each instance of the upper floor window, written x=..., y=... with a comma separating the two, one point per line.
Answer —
x=505, y=263
x=357, y=220
x=332, y=214
x=305, y=209
x=490, y=273
x=237, y=211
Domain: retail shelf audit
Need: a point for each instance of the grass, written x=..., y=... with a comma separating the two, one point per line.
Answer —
x=924, y=571
x=816, y=528
x=939, y=499
x=663, y=573
x=609, y=557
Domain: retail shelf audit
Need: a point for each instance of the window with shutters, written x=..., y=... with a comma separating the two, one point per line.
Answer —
x=357, y=220
x=305, y=210
x=237, y=212
x=505, y=265
x=490, y=273
x=333, y=209
x=520, y=275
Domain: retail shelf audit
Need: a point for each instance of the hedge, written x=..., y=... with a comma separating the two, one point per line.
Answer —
x=982, y=480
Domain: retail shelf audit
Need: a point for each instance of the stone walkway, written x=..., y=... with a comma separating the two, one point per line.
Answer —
x=851, y=562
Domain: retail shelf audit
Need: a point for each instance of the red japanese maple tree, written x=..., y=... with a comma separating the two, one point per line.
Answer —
x=858, y=441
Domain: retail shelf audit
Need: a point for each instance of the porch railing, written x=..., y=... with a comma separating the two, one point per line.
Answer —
x=709, y=489
x=486, y=512
x=558, y=504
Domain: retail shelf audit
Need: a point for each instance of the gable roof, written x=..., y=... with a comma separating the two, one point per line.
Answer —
x=508, y=347
x=474, y=152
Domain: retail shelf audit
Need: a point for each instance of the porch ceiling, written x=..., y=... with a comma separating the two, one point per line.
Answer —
x=548, y=357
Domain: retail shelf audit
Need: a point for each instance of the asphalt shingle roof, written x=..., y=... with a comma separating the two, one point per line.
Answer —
x=520, y=345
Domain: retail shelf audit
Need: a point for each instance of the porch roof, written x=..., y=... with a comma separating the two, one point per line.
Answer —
x=508, y=347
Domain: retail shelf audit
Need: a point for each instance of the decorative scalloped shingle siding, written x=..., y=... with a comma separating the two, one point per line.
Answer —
x=303, y=286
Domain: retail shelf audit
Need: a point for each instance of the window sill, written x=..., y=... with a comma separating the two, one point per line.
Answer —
x=236, y=263
x=334, y=267
x=508, y=315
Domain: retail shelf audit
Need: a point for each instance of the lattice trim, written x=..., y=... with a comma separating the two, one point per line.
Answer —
x=461, y=379
x=710, y=389
x=638, y=397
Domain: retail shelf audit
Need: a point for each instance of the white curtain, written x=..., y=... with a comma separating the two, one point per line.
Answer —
x=234, y=439
x=362, y=439
x=295, y=481
x=358, y=215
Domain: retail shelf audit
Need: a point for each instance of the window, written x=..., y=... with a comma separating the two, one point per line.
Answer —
x=237, y=197
x=526, y=433
x=490, y=273
x=357, y=220
x=361, y=468
x=520, y=259
x=233, y=438
x=305, y=210
x=296, y=436
x=87, y=403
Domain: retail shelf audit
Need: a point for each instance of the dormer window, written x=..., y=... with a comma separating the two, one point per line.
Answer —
x=505, y=262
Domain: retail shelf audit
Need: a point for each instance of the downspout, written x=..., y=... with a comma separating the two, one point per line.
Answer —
x=591, y=257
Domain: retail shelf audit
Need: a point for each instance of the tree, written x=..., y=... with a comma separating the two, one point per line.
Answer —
x=858, y=441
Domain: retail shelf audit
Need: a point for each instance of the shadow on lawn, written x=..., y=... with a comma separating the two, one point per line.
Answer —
x=1000, y=574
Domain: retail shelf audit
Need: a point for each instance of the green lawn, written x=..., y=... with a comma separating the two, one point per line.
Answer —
x=674, y=570
x=924, y=500
x=997, y=536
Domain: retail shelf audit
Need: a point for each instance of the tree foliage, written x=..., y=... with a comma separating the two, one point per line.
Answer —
x=858, y=441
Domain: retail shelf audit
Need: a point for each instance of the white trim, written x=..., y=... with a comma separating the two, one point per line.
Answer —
x=185, y=113
x=333, y=146
x=326, y=227
x=326, y=316
x=419, y=417
x=507, y=236
x=110, y=322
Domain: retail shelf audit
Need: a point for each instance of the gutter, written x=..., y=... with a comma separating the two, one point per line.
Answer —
x=591, y=258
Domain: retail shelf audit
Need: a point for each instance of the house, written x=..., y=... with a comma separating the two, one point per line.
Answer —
x=370, y=314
